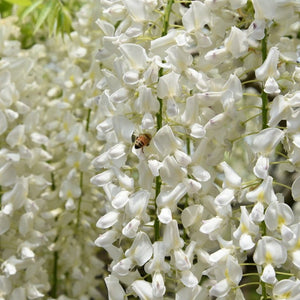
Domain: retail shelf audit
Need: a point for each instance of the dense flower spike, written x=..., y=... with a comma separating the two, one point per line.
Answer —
x=167, y=132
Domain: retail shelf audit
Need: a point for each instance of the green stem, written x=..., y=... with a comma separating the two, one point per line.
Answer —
x=264, y=290
x=79, y=201
x=159, y=116
x=156, y=221
x=188, y=146
x=53, y=292
x=264, y=113
x=53, y=187
x=87, y=127
x=264, y=46
x=167, y=17
x=264, y=96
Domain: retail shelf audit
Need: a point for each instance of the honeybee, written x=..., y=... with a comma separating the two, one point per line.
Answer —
x=142, y=140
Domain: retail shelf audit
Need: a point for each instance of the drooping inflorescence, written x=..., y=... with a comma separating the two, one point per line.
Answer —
x=152, y=153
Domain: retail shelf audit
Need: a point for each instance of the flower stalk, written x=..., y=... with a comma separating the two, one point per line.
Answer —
x=264, y=96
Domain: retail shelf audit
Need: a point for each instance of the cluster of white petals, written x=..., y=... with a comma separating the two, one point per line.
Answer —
x=186, y=212
x=153, y=153
x=48, y=205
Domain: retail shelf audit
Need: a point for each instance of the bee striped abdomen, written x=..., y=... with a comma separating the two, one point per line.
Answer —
x=142, y=140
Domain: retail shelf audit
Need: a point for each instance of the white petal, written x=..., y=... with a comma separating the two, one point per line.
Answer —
x=271, y=86
x=16, y=136
x=246, y=242
x=131, y=77
x=8, y=268
x=216, y=56
x=196, y=16
x=122, y=267
x=33, y=292
x=182, y=262
x=114, y=288
x=147, y=121
x=188, y=279
x=232, y=179
x=137, y=203
x=171, y=237
x=236, y=43
x=120, y=200
x=211, y=225
x=172, y=108
x=264, y=9
x=125, y=181
x=119, y=96
x=26, y=252
x=261, y=167
x=269, y=67
x=257, y=213
x=168, y=86
x=165, y=215
x=171, y=197
x=131, y=228
x=256, y=30
x=197, y=131
x=107, y=238
x=296, y=189
x=219, y=255
x=154, y=166
x=200, y=174
x=191, y=215
x=158, y=285
x=123, y=128
x=3, y=123
x=267, y=140
x=26, y=223
x=143, y=289
x=102, y=178
x=220, y=289
x=225, y=197
x=182, y=158
x=296, y=258
x=188, y=293
x=117, y=151
x=269, y=275
x=286, y=233
x=39, y=138
x=141, y=249
x=134, y=53
x=170, y=172
x=235, y=4
x=165, y=141
x=18, y=294
x=108, y=220
x=192, y=186
x=4, y=222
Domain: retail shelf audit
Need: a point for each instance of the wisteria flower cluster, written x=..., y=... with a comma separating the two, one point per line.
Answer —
x=153, y=153
x=48, y=206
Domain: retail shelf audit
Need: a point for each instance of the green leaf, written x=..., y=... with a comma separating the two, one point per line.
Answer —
x=20, y=2
x=31, y=8
x=44, y=14
x=64, y=21
x=52, y=19
x=67, y=20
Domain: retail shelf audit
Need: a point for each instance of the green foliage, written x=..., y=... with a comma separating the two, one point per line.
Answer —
x=5, y=9
x=19, y=2
x=52, y=14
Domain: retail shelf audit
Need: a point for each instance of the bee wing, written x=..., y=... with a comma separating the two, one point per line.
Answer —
x=133, y=137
